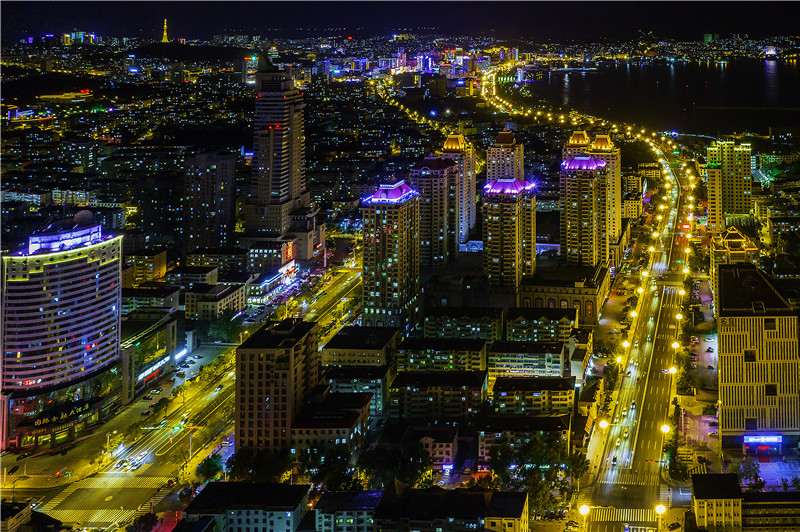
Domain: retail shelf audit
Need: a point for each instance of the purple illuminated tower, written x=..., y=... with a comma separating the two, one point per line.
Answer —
x=584, y=239
x=509, y=232
x=391, y=296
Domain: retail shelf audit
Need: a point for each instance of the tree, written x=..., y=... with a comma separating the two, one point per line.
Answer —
x=330, y=468
x=784, y=483
x=749, y=470
x=251, y=465
x=210, y=468
x=224, y=328
x=143, y=523
x=757, y=485
x=577, y=466
x=796, y=482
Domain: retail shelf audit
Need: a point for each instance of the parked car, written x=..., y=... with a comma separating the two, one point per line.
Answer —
x=713, y=424
x=709, y=350
x=148, y=397
x=710, y=366
x=146, y=413
x=674, y=526
x=152, y=405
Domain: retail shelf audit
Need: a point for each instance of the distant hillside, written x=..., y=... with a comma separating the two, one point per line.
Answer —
x=25, y=90
x=182, y=52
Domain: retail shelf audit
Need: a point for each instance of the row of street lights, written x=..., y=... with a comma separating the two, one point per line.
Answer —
x=584, y=511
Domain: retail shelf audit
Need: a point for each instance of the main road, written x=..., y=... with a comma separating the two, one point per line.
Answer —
x=628, y=483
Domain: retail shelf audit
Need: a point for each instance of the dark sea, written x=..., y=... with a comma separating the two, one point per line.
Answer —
x=690, y=97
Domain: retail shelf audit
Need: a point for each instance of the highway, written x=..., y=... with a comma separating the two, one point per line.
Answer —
x=628, y=485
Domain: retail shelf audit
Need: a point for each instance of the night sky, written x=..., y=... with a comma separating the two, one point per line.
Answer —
x=541, y=21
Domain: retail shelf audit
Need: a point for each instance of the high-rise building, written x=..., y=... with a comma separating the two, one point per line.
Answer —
x=207, y=201
x=602, y=148
x=61, y=311
x=391, y=286
x=457, y=149
x=439, y=187
x=280, y=203
x=583, y=183
x=759, y=364
x=505, y=158
x=276, y=370
x=509, y=232
x=729, y=183
x=576, y=146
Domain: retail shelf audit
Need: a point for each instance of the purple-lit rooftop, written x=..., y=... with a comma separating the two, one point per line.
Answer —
x=583, y=163
x=507, y=186
x=391, y=193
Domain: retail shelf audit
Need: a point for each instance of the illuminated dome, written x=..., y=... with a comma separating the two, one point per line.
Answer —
x=579, y=138
x=392, y=193
x=602, y=142
x=455, y=143
x=583, y=163
x=507, y=186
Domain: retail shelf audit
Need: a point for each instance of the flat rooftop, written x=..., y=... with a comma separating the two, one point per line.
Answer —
x=745, y=290
x=444, y=379
x=366, y=338
x=275, y=334
x=502, y=346
x=442, y=344
x=510, y=384
x=219, y=497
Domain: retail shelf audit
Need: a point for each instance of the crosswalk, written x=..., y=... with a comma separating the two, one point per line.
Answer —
x=699, y=469
x=122, y=482
x=58, y=499
x=92, y=517
x=150, y=505
x=664, y=495
x=631, y=478
x=629, y=515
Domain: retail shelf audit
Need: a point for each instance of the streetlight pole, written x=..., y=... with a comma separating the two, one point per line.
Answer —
x=660, y=511
x=584, y=510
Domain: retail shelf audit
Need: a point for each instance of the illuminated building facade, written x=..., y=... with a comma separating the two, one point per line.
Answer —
x=391, y=287
x=439, y=187
x=603, y=149
x=583, y=238
x=61, y=309
x=505, y=158
x=729, y=183
x=759, y=364
x=730, y=247
x=509, y=232
x=463, y=154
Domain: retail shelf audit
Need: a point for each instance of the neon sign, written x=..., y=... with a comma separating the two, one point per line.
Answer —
x=763, y=439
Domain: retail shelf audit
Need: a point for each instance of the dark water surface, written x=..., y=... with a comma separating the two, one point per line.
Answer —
x=704, y=98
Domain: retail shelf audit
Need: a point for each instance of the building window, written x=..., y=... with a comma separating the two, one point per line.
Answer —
x=749, y=355
x=769, y=324
x=750, y=423
x=770, y=390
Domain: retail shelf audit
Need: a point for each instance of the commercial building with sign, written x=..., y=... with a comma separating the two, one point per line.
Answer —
x=61, y=308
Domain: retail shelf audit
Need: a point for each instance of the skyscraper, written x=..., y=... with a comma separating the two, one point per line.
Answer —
x=505, y=158
x=509, y=232
x=391, y=289
x=61, y=311
x=577, y=145
x=279, y=201
x=207, y=200
x=457, y=149
x=602, y=148
x=729, y=183
x=583, y=183
x=276, y=370
x=439, y=187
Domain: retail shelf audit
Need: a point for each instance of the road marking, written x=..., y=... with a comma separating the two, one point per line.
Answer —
x=635, y=515
x=92, y=517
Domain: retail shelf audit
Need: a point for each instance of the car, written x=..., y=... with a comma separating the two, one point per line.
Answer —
x=572, y=523
x=713, y=434
x=694, y=366
x=121, y=464
x=636, y=343
x=625, y=434
x=218, y=388
x=172, y=379
x=709, y=350
x=159, y=390
x=713, y=424
x=146, y=413
x=151, y=405
x=135, y=466
x=709, y=367
x=673, y=526
x=649, y=337
x=179, y=374
x=227, y=443
x=633, y=404
x=618, y=442
x=163, y=423
x=148, y=397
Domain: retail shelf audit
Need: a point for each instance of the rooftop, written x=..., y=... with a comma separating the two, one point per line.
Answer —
x=556, y=384
x=602, y=142
x=579, y=138
x=514, y=423
x=505, y=137
x=399, y=502
x=502, y=346
x=745, y=290
x=191, y=270
x=275, y=334
x=552, y=314
x=444, y=379
x=337, y=501
x=464, y=312
x=356, y=372
x=442, y=344
x=392, y=193
x=438, y=433
x=366, y=338
x=454, y=143
x=334, y=410
x=507, y=186
x=716, y=486
x=219, y=497
x=583, y=163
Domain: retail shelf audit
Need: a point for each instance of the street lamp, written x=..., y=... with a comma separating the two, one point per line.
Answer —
x=679, y=316
x=640, y=290
x=682, y=292
x=675, y=345
x=584, y=510
x=672, y=370
x=604, y=424
x=660, y=510
x=626, y=344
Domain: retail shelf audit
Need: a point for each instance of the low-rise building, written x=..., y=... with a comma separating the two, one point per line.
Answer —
x=148, y=265
x=346, y=511
x=717, y=501
x=361, y=346
x=261, y=507
x=364, y=379
x=526, y=359
x=206, y=302
x=730, y=247
x=540, y=324
x=441, y=442
x=167, y=297
x=185, y=277
x=534, y=395
x=583, y=288
x=435, y=509
x=517, y=430
x=437, y=395
x=441, y=354
x=148, y=349
x=224, y=259
x=330, y=419
x=483, y=323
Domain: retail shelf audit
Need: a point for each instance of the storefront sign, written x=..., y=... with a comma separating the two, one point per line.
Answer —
x=63, y=416
x=763, y=439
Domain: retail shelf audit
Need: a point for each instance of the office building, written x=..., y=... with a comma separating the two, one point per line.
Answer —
x=56, y=361
x=509, y=232
x=276, y=370
x=505, y=158
x=730, y=247
x=759, y=364
x=261, y=507
x=729, y=183
x=584, y=238
x=207, y=200
x=391, y=288
x=437, y=182
x=458, y=150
